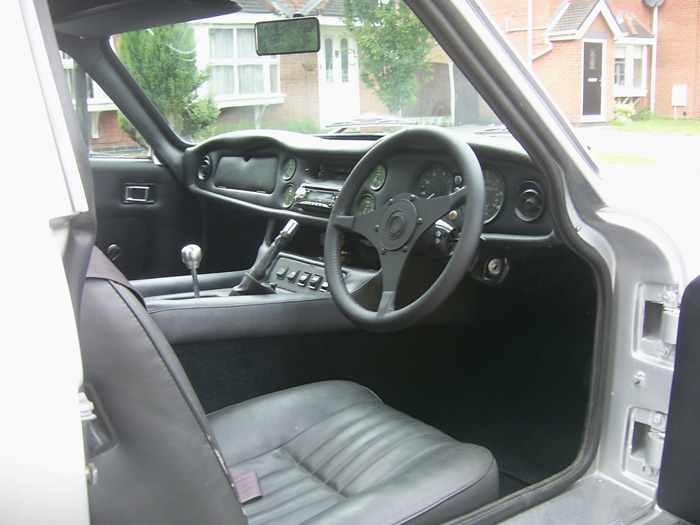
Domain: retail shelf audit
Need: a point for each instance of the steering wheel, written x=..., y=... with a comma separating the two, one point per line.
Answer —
x=395, y=226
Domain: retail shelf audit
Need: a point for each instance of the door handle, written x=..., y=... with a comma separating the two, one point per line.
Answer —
x=139, y=194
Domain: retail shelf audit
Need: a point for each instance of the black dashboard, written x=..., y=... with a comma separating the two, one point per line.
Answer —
x=289, y=175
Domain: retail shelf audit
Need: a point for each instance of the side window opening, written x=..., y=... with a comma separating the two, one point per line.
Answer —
x=107, y=132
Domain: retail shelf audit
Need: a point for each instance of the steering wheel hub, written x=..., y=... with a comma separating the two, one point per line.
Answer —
x=397, y=224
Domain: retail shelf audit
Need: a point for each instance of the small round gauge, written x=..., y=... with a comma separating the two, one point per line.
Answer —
x=378, y=177
x=495, y=194
x=434, y=181
x=367, y=204
x=288, y=195
x=290, y=168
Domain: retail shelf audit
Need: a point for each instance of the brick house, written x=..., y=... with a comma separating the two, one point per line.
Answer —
x=300, y=92
x=591, y=54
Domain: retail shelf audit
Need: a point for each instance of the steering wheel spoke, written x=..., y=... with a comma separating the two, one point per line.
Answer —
x=395, y=227
x=431, y=210
x=363, y=224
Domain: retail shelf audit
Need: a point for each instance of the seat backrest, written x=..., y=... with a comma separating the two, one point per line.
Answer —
x=165, y=467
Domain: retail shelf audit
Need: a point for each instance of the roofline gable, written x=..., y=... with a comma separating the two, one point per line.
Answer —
x=601, y=8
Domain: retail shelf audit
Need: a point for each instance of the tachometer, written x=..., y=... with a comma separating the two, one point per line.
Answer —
x=495, y=194
x=434, y=181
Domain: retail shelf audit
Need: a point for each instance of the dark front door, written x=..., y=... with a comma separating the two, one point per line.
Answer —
x=592, y=78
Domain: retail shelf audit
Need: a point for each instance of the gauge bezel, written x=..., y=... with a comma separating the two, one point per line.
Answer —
x=488, y=196
x=284, y=193
x=424, y=172
x=372, y=185
x=362, y=198
x=289, y=162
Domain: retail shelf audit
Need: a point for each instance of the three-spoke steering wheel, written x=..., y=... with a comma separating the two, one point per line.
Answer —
x=395, y=226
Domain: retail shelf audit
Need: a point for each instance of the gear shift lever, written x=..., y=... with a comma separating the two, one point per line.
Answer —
x=251, y=283
x=192, y=256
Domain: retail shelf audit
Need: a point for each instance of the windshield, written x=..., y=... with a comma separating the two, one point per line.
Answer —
x=377, y=70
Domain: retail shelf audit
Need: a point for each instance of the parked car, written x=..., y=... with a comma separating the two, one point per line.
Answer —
x=196, y=322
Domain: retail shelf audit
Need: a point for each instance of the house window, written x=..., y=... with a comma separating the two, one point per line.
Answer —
x=344, y=64
x=620, y=65
x=236, y=69
x=329, y=60
x=630, y=70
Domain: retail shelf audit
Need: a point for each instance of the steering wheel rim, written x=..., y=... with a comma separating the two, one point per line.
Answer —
x=395, y=226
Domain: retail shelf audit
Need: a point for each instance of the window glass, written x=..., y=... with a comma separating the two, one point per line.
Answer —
x=250, y=79
x=246, y=43
x=206, y=77
x=107, y=131
x=344, y=59
x=221, y=43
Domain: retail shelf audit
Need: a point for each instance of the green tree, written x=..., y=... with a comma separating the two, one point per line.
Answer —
x=163, y=62
x=393, y=46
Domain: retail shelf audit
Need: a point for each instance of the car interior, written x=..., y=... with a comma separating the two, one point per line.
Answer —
x=365, y=329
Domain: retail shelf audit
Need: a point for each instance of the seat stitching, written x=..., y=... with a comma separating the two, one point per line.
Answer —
x=344, y=445
x=336, y=433
x=320, y=483
x=372, y=442
x=403, y=464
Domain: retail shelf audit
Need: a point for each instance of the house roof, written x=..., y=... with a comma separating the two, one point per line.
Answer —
x=632, y=27
x=574, y=15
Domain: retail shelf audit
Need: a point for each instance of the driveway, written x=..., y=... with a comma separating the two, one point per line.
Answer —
x=666, y=190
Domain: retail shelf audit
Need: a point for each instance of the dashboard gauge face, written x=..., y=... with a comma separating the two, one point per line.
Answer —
x=288, y=196
x=367, y=205
x=378, y=177
x=495, y=194
x=290, y=168
x=434, y=181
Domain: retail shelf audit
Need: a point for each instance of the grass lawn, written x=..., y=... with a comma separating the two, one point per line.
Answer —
x=660, y=125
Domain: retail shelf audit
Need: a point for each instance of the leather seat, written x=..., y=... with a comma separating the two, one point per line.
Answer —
x=327, y=452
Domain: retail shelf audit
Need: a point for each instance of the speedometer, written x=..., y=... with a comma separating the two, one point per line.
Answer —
x=495, y=194
x=434, y=181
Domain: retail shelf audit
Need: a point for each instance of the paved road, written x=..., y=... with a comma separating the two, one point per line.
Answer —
x=666, y=191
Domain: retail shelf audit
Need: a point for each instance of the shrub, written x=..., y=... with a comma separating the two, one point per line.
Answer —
x=624, y=112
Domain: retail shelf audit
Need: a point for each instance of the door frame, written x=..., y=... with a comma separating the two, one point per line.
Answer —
x=603, y=79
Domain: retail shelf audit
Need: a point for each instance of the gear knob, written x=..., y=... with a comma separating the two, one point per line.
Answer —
x=191, y=256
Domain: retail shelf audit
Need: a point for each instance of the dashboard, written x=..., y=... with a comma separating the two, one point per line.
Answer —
x=289, y=175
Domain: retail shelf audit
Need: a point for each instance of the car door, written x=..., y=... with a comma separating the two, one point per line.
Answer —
x=144, y=216
x=679, y=484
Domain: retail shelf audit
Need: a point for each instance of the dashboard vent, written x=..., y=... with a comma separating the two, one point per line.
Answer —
x=205, y=168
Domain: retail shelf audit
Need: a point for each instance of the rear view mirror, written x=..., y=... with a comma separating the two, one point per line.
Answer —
x=289, y=35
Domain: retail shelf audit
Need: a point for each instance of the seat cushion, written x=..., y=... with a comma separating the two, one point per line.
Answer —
x=332, y=452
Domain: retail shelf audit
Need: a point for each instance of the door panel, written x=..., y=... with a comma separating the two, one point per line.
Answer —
x=679, y=484
x=144, y=210
x=592, y=78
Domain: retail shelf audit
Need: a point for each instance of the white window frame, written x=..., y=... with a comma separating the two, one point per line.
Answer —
x=267, y=96
x=628, y=89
